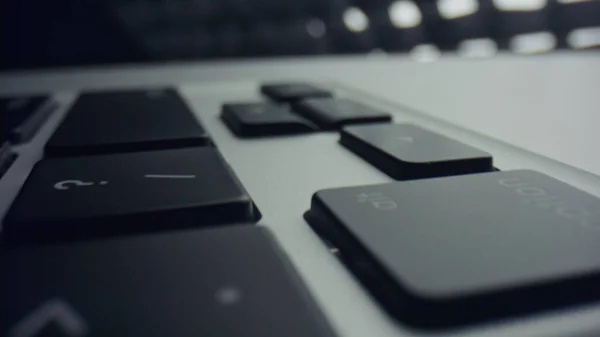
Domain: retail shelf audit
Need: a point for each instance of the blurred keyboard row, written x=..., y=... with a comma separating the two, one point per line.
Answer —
x=147, y=30
x=207, y=28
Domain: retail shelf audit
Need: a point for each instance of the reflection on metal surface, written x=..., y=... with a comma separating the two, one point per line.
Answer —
x=519, y=5
x=316, y=28
x=404, y=14
x=584, y=38
x=452, y=9
x=483, y=47
x=533, y=43
x=355, y=20
x=425, y=53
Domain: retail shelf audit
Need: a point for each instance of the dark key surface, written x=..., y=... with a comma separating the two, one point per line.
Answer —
x=329, y=113
x=286, y=92
x=405, y=151
x=262, y=119
x=457, y=250
x=23, y=116
x=126, y=121
x=87, y=197
x=227, y=282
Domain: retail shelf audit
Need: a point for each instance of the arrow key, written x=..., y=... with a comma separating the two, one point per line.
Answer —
x=405, y=151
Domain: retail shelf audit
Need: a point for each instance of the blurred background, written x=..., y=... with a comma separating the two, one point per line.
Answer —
x=43, y=33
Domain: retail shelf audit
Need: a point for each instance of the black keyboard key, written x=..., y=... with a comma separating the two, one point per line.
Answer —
x=23, y=116
x=405, y=151
x=458, y=250
x=127, y=121
x=286, y=92
x=226, y=282
x=262, y=119
x=329, y=113
x=86, y=197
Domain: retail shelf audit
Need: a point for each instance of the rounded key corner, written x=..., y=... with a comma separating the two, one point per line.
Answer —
x=309, y=216
x=350, y=129
x=227, y=117
x=256, y=213
x=388, y=291
x=427, y=298
x=227, y=109
x=317, y=224
x=263, y=229
x=317, y=197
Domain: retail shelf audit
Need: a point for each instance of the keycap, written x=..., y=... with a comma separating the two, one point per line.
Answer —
x=225, y=282
x=262, y=119
x=405, y=151
x=285, y=92
x=452, y=251
x=126, y=121
x=87, y=197
x=329, y=113
x=23, y=116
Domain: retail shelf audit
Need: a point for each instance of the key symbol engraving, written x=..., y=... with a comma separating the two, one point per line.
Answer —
x=228, y=295
x=67, y=184
x=170, y=176
x=256, y=110
x=378, y=200
x=70, y=323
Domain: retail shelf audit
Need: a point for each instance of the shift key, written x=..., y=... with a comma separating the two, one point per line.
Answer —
x=87, y=197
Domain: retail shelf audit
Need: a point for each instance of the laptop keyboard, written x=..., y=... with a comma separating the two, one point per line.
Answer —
x=133, y=184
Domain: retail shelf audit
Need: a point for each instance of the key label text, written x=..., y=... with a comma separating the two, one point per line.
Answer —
x=68, y=184
x=377, y=200
x=541, y=198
